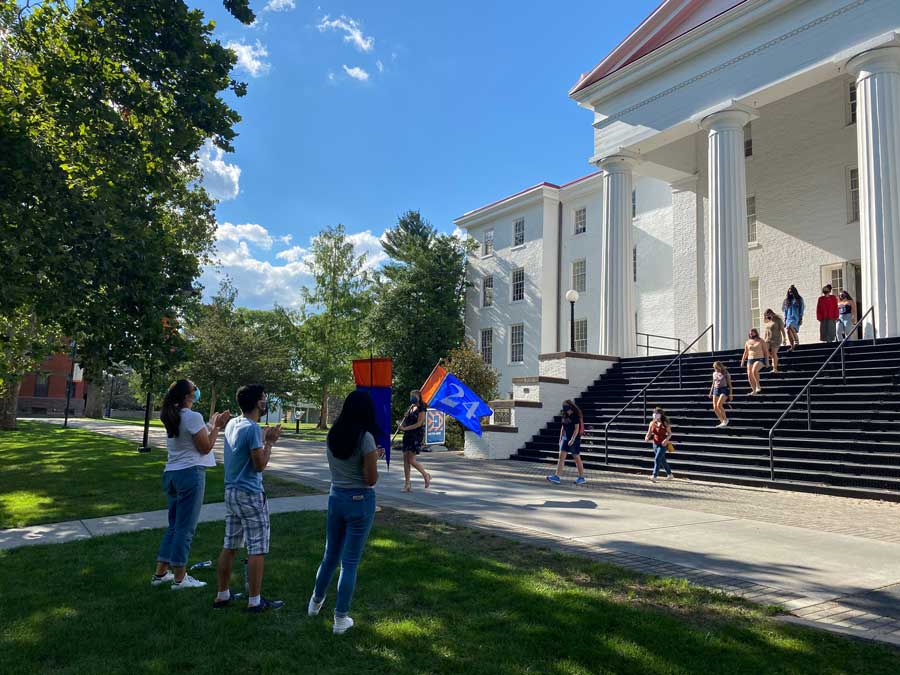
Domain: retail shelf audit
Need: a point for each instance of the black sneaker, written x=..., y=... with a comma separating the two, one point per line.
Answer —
x=219, y=604
x=264, y=605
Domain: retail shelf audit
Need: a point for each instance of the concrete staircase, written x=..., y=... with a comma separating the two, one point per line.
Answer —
x=853, y=448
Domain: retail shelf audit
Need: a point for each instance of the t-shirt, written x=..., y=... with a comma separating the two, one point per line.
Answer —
x=242, y=436
x=348, y=473
x=570, y=423
x=182, y=451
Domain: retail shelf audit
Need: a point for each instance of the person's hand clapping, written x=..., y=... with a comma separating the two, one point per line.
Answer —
x=224, y=418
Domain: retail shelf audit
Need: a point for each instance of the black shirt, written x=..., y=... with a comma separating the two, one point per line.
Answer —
x=570, y=423
x=412, y=416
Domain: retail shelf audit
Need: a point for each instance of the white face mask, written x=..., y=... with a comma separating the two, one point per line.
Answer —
x=657, y=417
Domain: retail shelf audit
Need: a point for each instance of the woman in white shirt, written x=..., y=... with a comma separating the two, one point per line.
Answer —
x=189, y=443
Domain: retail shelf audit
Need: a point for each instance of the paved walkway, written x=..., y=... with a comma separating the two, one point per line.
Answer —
x=831, y=561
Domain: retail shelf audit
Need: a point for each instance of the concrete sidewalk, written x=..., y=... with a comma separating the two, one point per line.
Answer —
x=831, y=560
x=73, y=530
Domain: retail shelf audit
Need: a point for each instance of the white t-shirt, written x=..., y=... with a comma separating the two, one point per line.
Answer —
x=183, y=454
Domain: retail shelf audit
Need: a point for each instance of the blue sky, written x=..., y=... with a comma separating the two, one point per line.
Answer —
x=358, y=111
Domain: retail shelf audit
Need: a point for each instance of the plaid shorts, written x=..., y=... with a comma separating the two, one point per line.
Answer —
x=246, y=521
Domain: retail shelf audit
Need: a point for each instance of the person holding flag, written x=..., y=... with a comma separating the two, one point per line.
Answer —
x=413, y=428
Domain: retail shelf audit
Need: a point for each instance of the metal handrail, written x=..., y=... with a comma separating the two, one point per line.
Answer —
x=806, y=390
x=708, y=329
x=648, y=347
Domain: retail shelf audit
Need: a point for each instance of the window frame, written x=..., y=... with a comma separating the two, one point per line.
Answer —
x=853, y=203
x=490, y=345
x=583, y=286
x=488, y=237
x=487, y=283
x=583, y=339
x=756, y=317
x=755, y=223
x=515, y=238
x=851, y=98
x=512, y=285
x=512, y=344
x=583, y=212
x=748, y=140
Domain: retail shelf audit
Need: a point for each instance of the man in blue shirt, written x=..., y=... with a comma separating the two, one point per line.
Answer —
x=247, y=451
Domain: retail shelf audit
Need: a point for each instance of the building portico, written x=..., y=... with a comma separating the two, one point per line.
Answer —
x=687, y=95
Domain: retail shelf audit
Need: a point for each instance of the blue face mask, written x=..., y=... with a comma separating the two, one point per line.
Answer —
x=196, y=394
x=413, y=399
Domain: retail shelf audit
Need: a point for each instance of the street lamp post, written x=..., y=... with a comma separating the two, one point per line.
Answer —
x=145, y=446
x=70, y=383
x=572, y=297
x=112, y=387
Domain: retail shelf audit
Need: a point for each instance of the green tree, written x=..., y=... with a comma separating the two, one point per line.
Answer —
x=334, y=310
x=418, y=313
x=103, y=222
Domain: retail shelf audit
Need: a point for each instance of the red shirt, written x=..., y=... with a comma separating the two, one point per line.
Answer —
x=827, y=308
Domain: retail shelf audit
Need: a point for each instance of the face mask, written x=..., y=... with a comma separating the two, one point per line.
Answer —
x=196, y=394
x=413, y=398
x=264, y=408
x=566, y=409
x=657, y=417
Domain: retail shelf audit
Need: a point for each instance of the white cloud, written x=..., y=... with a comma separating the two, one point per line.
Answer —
x=280, y=6
x=460, y=233
x=251, y=57
x=356, y=73
x=380, y=66
x=221, y=179
x=248, y=232
x=331, y=77
x=293, y=254
x=262, y=284
x=352, y=32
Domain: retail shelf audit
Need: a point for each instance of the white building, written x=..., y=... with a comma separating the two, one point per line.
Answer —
x=742, y=146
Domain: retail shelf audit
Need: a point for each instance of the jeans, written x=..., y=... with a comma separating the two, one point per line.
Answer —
x=185, y=489
x=350, y=515
x=843, y=327
x=659, y=461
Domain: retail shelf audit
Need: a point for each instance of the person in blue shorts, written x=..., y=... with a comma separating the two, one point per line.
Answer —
x=570, y=433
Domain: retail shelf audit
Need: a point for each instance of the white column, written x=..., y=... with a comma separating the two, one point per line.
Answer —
x=550, y=291
x=728, y=280
x=617, y=293
x=689, y=261
x=878, y=147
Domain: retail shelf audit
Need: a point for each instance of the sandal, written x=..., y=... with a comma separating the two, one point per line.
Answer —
x=407, y=487
x=427, y=480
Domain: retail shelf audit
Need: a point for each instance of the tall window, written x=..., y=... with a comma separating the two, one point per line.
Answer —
x=487, y=292
x=487, y=345
x=748, y=140
x=518, y=284
x=633, y=203
x=751, y=219
x=754, y=304
x=487, y=245
x=517, y=343
x=837, y=279
x=579, y=275
x=851, y=104
x=41, y=385
x=581, y=335
x=519, y=232
x=853, y=194
x=580, y=221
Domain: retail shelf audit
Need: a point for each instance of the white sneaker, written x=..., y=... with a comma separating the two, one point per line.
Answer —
x=724, y=424
x=188, y=582
x=342, y=624
x=164, y=579
x=315, y=607
x=759, y=391
x=652, y=479
x=670, y=476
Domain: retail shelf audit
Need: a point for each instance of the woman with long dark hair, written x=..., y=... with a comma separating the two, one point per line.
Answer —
x=570, y=433
x=660, y=434
x=352, y=459
x=793, y=308
x=189, y=442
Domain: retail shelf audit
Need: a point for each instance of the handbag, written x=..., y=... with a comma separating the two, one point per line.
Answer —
x=670, y=447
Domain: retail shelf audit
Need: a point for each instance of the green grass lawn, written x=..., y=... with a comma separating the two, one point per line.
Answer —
x=154, y=421
x=308, y=432
x=431, y=598
x=52, y=474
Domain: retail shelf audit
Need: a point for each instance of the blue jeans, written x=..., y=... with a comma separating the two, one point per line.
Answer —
x=350, y=515
x=659, y=461
x=184, y=489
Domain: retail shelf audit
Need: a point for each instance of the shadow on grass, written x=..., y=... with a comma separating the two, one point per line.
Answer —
x=431, y=598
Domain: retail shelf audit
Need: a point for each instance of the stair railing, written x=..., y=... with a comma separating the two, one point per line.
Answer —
x=807, y=389
x=646, y=345
x=643, y=392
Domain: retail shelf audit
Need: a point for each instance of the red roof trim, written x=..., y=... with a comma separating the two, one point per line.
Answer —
x=597, y=73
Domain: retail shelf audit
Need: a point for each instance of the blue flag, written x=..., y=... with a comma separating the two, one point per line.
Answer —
x=442, y=391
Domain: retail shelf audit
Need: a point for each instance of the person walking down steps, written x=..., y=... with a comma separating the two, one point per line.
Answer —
x=660, y=434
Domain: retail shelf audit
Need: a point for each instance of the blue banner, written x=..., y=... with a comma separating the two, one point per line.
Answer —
x=381, y=396
x=435, y=428
x=461, y=403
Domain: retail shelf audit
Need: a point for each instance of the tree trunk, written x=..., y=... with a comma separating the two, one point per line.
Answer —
x=9, y=401
x=323, y=411
x=212, y=399
x=93, y=406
